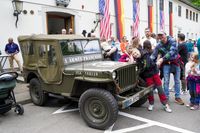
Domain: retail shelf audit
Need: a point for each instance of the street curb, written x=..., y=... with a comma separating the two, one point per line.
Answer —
x=23, y=102
x=20, y=80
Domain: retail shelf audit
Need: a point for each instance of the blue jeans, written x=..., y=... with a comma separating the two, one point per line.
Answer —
x=166, y=74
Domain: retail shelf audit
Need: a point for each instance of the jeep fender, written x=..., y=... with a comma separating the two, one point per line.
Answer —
x=94, y=80
x=82, y=84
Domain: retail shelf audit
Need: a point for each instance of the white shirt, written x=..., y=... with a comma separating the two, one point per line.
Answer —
x=188, y=69
x=106, y=46
x=152, y=40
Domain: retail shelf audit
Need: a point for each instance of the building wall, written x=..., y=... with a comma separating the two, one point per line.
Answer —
x=84, y=11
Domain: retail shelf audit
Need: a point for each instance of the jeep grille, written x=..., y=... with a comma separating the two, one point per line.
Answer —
x=127, y=76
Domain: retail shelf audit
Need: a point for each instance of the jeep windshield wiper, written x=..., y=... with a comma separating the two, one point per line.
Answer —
x=86, y=43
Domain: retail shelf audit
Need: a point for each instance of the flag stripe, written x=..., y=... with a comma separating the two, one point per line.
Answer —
x=162, y=17
x=136, y=19
x=105, y=21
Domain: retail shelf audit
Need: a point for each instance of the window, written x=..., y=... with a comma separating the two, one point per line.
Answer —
x=197, y=17
x=91, y=47
x=47, y=50
x=193, y=16
x=27, y=48
x=186, y=13
x=42, y=51
x=51, y=55
x=71, y=47
x=190, y=15
x=179, y=11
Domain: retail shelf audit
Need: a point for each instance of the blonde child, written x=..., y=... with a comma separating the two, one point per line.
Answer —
x=127, y=57
x=192, y=70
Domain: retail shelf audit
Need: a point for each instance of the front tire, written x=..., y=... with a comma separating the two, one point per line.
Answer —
x=98, y=108
x=38, y=96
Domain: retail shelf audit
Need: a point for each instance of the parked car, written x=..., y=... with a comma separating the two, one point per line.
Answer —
x=72, y=66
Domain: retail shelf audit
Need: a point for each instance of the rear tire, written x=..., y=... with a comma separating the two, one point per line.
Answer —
x=98, y=108
x=38, y=96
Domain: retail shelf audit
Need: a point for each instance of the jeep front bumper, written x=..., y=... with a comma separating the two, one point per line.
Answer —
x=125, y=102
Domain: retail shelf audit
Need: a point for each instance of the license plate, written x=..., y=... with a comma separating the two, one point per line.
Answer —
x=130, y=101
x=136, y=98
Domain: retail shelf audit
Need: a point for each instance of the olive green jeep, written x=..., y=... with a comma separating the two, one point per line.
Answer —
x=72, y=66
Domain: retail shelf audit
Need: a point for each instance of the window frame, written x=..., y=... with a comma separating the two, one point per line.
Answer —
x=197, y=18
x=194, y=17
x=186, y=13
x=179, y=10
x=190, y=15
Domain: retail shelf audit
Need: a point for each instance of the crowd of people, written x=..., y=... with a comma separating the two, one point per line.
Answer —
x=158, y=55
x=161, y=55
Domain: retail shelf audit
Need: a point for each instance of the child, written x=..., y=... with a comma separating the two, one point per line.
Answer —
x=108, y=49
x=123, y=45
x=193, y=80
x=151, y=75
x=127, y=57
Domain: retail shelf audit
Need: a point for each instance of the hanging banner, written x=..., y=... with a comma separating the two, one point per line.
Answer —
x=119, y=11
x=150, y=15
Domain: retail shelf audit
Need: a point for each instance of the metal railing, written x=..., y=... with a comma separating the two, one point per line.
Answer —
x=3, y=59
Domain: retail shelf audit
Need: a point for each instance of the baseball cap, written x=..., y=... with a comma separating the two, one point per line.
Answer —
x=147, y=29
x=161, y=33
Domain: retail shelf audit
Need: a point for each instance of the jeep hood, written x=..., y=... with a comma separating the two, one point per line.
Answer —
x=96, y=66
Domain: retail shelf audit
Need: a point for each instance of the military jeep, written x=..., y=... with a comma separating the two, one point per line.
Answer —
x=72, y=66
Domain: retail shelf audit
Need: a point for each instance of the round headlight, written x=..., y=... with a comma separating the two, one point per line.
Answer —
x=114, y=75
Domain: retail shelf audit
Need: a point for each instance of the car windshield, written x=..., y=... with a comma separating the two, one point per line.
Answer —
x=91, y=47
x=76, y=47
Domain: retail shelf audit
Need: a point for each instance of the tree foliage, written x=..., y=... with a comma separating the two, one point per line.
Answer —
x=196, y=2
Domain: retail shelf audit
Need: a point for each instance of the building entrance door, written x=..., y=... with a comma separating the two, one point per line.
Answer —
x=56, y=21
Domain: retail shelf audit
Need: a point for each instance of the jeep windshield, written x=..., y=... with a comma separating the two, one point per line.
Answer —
x=80, y=50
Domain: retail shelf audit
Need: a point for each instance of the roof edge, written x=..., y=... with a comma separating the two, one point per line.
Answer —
x=190, y=4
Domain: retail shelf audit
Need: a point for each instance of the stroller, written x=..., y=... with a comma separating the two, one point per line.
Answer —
x=7, y=97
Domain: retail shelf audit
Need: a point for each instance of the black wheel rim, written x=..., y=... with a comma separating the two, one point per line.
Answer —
x=96, y=110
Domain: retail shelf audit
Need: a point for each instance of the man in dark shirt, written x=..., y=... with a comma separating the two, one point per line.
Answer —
x=12, y=49
x=168, y=52
x=183, y=52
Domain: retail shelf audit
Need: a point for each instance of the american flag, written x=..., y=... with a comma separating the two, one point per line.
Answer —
x=105, y=27
x=136, y=19
x=162, y=17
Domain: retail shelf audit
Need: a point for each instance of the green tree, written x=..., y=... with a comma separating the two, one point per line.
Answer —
x=196, y=2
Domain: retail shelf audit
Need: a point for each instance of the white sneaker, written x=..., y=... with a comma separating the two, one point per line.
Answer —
x=171, y=89
x=184, y=92
x=155, y=91
x=150, y=108
x=167, y=108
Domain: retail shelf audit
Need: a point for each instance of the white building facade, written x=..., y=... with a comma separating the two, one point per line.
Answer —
x=46, y=17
